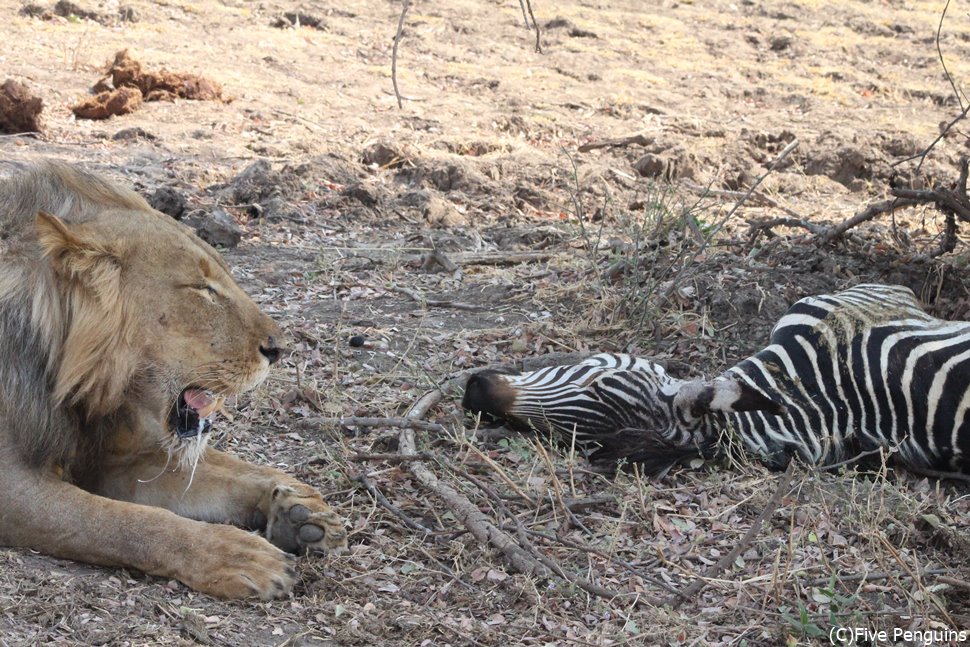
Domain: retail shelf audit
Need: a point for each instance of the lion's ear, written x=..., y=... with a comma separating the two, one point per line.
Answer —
x=77, y=256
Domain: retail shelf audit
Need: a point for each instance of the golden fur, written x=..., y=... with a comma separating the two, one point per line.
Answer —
x=110, y=314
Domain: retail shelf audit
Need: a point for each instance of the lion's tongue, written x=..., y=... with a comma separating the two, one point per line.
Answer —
x=203, y=403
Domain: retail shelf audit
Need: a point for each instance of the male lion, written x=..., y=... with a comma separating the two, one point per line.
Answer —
x=120, y=333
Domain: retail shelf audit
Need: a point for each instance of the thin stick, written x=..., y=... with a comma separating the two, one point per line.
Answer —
x=870, y=212
x=639, y=140
x=568, y=543
x=528, y=5
x=389, y=457
x=695, y=587
x=397, y=39
x=522, y=533
x=398, y=422
x=525, y=17
x=871, y=577
x=505, y=477
x=387, y=505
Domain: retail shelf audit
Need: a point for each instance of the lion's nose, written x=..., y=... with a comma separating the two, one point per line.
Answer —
x=270, y=349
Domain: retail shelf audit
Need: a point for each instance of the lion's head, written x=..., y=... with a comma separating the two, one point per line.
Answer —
x=133, y=310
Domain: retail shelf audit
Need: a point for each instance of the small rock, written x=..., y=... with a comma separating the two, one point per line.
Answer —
x=360, y=192
x=218, y=228
x=578, y=32
x=66, y=9
x=298, y=19
x=36, y=11
x=255, y=183
x=434, y=210
x=780, y=42
x=168, y=201
x=137, y=132
x=382, y=156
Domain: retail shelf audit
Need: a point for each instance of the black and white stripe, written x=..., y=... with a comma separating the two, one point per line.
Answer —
x=844, y=374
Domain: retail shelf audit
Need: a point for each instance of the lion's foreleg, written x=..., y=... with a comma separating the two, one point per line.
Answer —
x=44, y=513
x=226, y=489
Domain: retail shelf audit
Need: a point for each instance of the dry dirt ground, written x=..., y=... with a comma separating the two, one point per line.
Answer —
x=556, y=250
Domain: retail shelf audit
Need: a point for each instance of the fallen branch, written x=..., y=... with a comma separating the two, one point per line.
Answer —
x=870, y=212
x=568, y=543
x=695, y=587
x=352, y=421
x=872, y=577
x=464, y=510
x=389, y=457
x=434, y=303
x=522, y=533
x=500, y=258
x=638, y=140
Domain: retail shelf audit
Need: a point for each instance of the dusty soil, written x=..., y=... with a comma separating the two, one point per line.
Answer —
x=342, y=197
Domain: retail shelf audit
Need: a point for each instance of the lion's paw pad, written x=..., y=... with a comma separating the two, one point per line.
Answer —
x=301, y=523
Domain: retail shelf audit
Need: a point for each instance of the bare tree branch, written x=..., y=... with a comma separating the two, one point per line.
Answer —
x=397, y=39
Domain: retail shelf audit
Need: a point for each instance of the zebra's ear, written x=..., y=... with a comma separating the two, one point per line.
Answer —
x=724, y=394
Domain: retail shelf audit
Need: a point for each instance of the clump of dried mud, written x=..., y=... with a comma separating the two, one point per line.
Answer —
x=127, y=84
x=19, y=109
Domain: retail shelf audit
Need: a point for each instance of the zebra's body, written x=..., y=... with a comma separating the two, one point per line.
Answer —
x=844, y=374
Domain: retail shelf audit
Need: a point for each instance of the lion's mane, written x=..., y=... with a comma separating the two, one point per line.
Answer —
x=65, y=352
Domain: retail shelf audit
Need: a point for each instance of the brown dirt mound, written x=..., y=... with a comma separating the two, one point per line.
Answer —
x=108, y=104
x=19, y=109
x=127, y=85
x=162, y=85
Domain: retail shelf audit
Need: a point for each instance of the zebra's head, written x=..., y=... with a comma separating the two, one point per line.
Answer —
x=623, y=407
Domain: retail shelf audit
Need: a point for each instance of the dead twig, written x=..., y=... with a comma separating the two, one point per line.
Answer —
x=952, y=202
x=353, y=421
x=756, y=198
x=435, y=303
x=397, y=39
x=870, y=212
x=467, y=513
x=388, y=457
x=500, y=258
x=575, y=580
x=695, y=587
x=387, y=505
x=522, y=534
x=637, y=140
x=568, y=543
x=870, y=577
x=535, y=25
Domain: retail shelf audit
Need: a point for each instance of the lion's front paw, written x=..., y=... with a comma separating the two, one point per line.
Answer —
x=302, y=522
x=232, y=563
